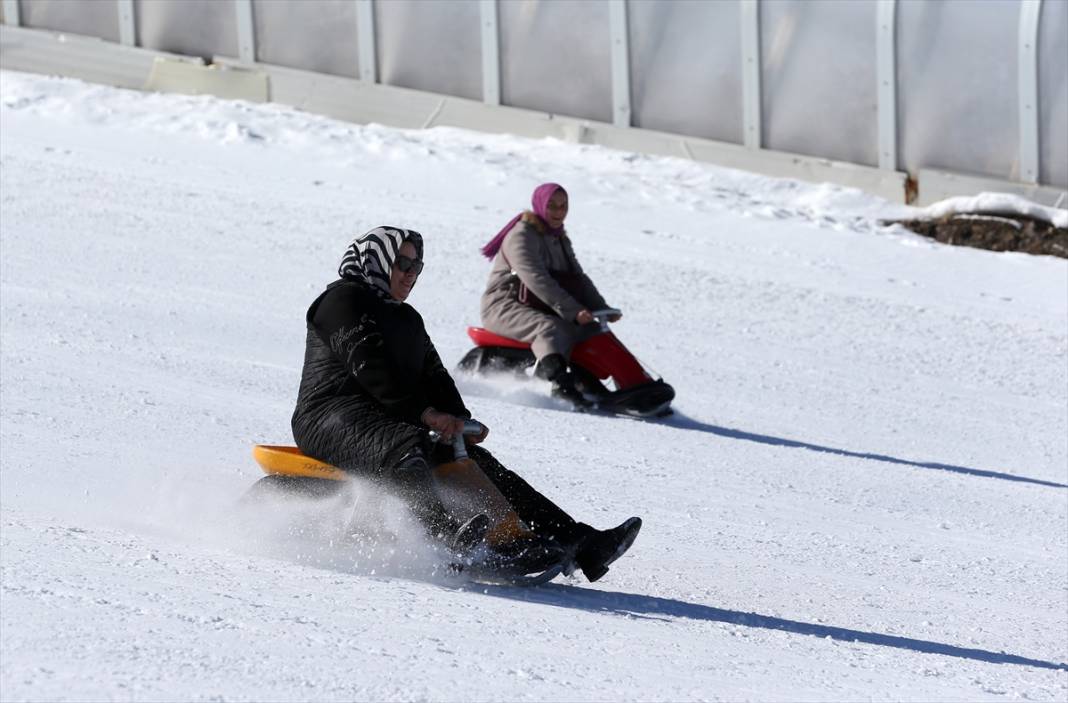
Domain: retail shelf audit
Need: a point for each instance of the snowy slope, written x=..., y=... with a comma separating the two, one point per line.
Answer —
x=864, y=494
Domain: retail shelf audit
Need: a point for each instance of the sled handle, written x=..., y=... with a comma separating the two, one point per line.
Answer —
x=471, y=427
x=459, y=447
x=601, y=316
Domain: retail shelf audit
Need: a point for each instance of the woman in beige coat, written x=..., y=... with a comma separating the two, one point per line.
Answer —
x=537, y=292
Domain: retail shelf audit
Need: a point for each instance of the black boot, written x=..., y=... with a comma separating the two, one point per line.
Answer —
x=470, y=535
x=526, y=555
x=410, y=480
x=554, y=368
x=596, y=549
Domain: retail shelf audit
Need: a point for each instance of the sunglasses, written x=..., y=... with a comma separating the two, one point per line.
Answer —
x=407, y=264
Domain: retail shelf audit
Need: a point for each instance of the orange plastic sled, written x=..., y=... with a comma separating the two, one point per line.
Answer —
x=288, y=461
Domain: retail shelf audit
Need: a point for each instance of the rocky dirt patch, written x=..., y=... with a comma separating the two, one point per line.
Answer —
x=995, y=232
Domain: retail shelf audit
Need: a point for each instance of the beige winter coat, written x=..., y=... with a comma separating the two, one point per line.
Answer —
x=528, y=254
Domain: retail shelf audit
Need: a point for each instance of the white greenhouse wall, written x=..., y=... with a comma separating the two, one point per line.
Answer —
x=809, y=82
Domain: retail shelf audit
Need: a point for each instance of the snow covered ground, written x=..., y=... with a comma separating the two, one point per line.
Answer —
x=863, y=494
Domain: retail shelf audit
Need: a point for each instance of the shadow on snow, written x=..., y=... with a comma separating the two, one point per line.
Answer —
x=685, y=423
x=651, y=607
x=517, y=391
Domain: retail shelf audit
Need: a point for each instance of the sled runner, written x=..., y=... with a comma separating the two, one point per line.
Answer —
x=593, y=361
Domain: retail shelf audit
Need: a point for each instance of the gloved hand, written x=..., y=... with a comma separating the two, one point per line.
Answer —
x=444, y=424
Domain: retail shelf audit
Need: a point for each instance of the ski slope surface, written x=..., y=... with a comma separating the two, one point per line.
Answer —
x=863, y=494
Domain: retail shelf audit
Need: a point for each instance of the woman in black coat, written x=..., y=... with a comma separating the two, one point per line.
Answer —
x=373, y=385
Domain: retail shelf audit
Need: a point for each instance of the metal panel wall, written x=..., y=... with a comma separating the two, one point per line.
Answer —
x=686, y=68
x=313, y=35
x=94, y=19
x=194, y=27
x=818, y=83
x=435, y=46
x=1053, y=93
x=957, y=86
x=555, y=57
x=965, y=72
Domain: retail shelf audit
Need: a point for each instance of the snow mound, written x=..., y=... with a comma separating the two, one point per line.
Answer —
x=996, y=204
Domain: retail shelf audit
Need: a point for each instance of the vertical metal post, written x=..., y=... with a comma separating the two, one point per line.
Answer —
x=365, y=40
x=127, y=26
x=11, y=13
x=617, y=19
x=1027, y=65
x=751, y=97
x=491, y=53
x=246, y=31
x=886, y=77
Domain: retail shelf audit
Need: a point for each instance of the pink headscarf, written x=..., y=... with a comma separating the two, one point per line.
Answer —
x=539, y=201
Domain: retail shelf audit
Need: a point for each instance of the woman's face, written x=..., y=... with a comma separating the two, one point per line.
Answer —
x=402, y=282
x=556, y=210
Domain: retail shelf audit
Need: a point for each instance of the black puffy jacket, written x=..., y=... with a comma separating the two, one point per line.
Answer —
x=370, y=370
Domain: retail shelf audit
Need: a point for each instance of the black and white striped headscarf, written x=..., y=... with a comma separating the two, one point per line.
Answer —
x=370, y=257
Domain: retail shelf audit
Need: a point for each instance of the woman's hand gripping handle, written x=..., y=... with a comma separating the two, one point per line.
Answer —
x=448, y=426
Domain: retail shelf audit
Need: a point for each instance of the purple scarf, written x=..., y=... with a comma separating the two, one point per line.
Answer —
x=539, y=201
